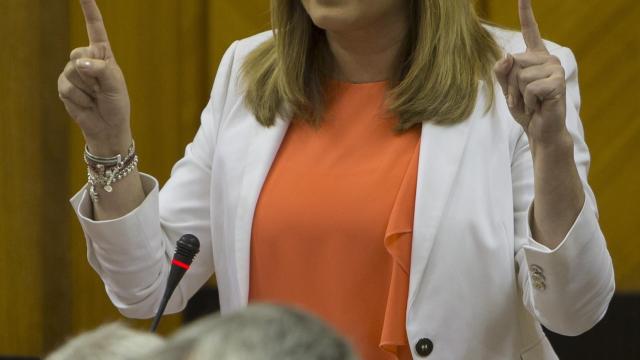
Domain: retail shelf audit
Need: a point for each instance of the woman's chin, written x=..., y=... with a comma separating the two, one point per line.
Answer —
x=334, y=23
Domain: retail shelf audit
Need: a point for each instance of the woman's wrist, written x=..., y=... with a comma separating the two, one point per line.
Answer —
x=560, y=145
x=118, y=145
x=103, y=172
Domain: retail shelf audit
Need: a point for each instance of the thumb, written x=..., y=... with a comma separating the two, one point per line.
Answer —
x=100, y=70
x=502, y=70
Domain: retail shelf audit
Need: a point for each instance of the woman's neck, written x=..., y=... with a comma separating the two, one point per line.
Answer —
x=369, y=54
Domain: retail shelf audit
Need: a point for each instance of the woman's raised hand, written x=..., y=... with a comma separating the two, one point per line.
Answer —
x=534, y=84
x=94, y=92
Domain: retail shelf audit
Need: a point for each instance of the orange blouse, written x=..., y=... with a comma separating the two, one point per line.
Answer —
x=332, y=228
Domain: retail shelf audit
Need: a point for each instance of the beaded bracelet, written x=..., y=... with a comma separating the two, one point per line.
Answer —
x=104, y=172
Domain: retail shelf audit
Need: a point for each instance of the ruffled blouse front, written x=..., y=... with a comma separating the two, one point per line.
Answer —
x=333, y=224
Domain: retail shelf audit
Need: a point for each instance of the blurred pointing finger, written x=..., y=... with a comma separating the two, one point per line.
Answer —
x=529, y=26
x=93, y=19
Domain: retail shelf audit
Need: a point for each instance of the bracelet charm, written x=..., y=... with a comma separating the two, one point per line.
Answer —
x=105, y=172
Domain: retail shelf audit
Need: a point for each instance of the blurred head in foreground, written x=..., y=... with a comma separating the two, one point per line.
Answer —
x=108, y=342
x=257, y=332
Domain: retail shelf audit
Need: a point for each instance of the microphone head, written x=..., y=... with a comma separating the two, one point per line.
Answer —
x=187, y=247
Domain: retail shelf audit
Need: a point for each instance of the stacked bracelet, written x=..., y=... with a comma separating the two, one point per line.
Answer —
x=104, y=172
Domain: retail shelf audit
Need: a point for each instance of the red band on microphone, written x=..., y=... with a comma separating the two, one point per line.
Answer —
x=180, y=263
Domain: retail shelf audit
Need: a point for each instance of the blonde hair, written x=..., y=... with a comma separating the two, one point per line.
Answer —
x=447, y=52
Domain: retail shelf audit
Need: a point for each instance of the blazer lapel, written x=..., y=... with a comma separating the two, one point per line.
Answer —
x=261, y=153
x=441, y=153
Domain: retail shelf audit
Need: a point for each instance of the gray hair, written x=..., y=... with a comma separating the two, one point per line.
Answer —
x=257, y=332
x=113, y=341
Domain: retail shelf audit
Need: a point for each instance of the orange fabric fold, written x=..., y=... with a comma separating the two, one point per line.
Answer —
x=332, y=227
x=397, y=241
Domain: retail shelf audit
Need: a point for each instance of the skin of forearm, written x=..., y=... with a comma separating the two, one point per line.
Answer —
x=558, y=192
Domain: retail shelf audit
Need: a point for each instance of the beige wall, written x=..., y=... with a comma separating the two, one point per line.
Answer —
x=168, y=51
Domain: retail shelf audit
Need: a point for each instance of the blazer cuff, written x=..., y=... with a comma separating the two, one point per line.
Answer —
x=83, y=206
x=582, y=229
x=119, y=249
x=571, y=284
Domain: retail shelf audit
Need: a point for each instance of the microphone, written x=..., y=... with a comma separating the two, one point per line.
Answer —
x=186, y=249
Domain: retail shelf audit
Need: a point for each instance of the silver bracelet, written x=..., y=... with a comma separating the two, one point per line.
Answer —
x=105, y=172
x=95, y=160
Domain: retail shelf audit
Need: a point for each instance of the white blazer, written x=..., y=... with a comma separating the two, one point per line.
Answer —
x=480, y=285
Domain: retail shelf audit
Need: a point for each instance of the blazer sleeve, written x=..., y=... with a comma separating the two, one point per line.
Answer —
x=568, y=288
x=132, y=254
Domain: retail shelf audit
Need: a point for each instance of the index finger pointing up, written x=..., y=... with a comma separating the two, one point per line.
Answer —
x=529, y=26
x=93, y=18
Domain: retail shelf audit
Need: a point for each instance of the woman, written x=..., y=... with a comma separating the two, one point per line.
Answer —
x=302, y=193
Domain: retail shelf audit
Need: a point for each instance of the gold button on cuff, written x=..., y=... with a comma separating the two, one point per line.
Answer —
x=539, y=285
x=535, y=269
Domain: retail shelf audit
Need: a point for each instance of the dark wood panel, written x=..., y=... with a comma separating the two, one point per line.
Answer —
x=53, y=216
x=34, y=267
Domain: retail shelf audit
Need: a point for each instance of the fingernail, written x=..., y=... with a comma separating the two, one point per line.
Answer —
x=83, y=64
x=510, y=101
